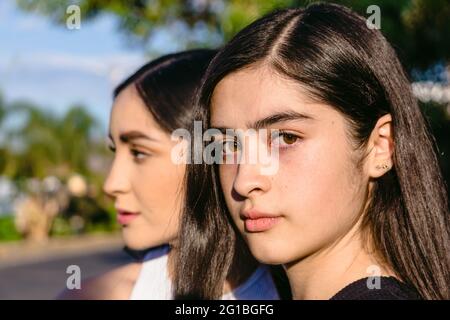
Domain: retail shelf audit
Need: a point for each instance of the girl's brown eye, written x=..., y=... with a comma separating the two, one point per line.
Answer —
x=284, y=139
x=230, y=146
x=289, y=138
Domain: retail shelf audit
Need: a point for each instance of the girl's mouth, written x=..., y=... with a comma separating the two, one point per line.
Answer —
x=261, y=224
x=125, y=217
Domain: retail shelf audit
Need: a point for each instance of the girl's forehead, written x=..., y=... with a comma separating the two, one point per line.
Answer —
x=257, y=87
x=129, y=113
x=239, y=103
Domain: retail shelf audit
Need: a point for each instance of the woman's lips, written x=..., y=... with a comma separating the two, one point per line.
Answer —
x=255, y=221
x=125, y=217
x=260, y=224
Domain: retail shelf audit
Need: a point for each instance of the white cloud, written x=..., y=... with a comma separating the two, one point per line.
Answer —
x=114, y=66
x=31, y=23
x=57, y=80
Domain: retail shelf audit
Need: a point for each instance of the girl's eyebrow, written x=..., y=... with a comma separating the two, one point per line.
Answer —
x=275, y=118
x=129, y=136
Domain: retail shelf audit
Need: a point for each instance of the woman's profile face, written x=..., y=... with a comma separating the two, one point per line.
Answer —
x=315, y=196
x=143, y=180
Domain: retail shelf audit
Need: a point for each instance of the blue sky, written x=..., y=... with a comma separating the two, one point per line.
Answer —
x=55, y=67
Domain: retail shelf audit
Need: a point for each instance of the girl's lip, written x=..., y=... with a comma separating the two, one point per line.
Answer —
x=257, y=221
x=255, y=214
x=261, y=224
x=125, y=217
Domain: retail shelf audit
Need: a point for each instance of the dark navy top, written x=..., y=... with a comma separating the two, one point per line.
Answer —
x=389, y=289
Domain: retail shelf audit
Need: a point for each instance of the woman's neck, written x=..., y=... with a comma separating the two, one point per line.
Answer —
x=324, y=273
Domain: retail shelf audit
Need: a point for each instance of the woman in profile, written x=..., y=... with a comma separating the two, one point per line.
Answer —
x=357, y=208
x=146, y=184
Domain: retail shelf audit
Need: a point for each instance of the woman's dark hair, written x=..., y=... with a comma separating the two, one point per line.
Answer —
x=331, y=52
x=168, y=86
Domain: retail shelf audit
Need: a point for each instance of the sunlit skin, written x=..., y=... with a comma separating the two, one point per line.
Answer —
x=143, y=178
x=318, y=192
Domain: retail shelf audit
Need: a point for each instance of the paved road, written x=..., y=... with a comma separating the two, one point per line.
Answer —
x=45, y=279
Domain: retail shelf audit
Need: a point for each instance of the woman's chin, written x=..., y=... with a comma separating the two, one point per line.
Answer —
x=267, y=255
x=132, y=241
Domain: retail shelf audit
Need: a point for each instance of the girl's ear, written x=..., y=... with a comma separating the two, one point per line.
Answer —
x=381, y=148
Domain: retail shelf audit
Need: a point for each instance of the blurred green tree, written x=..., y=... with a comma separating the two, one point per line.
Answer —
x=419, y=29
x=48, y=145
x=41, y=144
x=3, y=150
x=2, y=109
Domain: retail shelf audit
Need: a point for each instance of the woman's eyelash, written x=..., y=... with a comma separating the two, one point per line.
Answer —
x=289, y=138
x=293, y=138
x=228, y=145
x=138, y=155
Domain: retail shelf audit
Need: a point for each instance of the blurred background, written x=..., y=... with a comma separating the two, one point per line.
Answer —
x=56, y=83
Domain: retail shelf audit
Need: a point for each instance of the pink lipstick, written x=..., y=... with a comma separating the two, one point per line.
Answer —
x=125, y=217
x=258, y=222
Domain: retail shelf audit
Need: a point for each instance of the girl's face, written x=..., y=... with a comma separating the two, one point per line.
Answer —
x=317, y=193
x=144, y=182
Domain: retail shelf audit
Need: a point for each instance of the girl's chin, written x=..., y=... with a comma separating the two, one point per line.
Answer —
x=134, y=242
x=267, y=255
x=271, y=260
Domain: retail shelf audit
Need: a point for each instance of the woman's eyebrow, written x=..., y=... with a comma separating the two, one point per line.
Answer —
x=274, y=119
x=279, y=117
x=129, y=136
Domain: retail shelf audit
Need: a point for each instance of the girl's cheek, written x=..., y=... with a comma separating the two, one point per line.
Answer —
x=227, y=171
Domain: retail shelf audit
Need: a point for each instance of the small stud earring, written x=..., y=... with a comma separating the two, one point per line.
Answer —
x=382, y=167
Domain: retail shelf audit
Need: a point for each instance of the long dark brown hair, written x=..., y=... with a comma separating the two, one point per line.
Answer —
x=332, y=53
x=168, y=85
